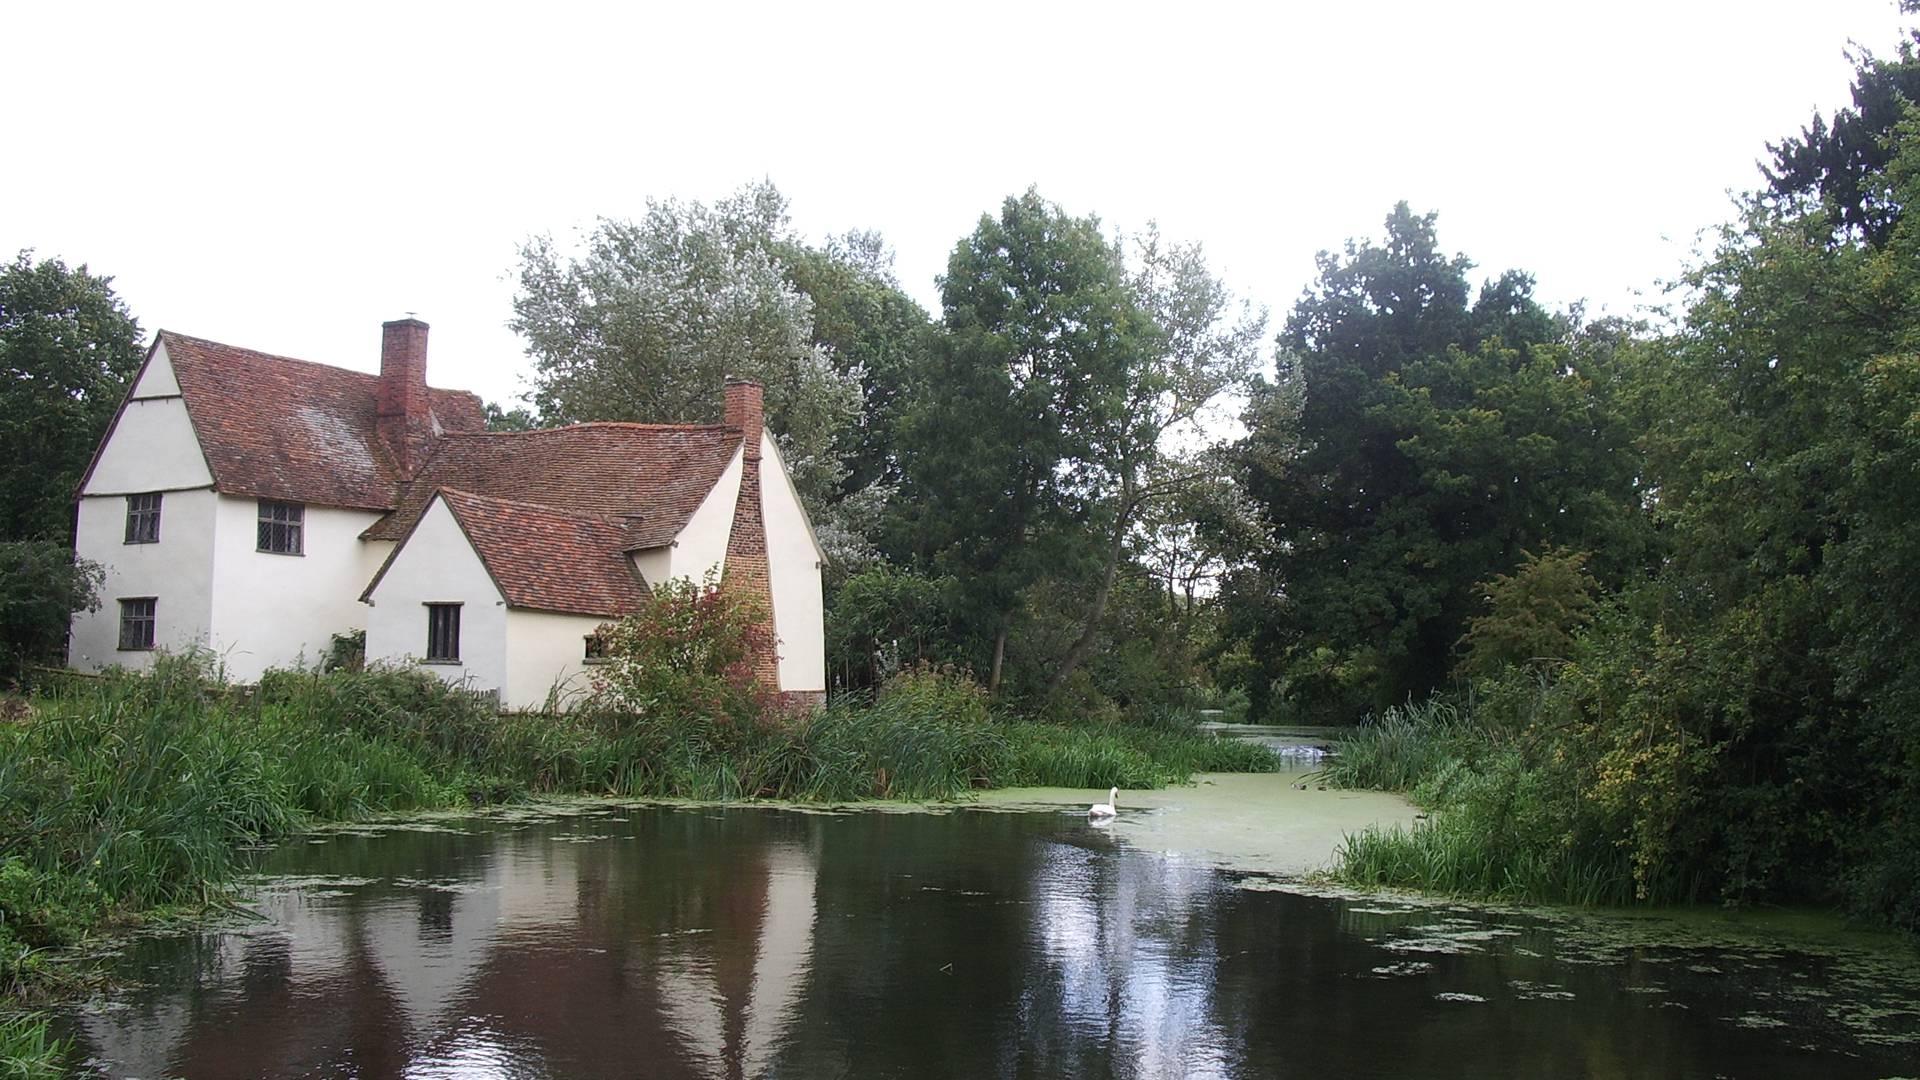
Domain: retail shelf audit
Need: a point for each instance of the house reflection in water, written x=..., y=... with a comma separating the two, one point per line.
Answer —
x=556, y=951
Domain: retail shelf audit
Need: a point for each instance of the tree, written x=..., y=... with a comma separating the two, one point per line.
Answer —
x=874, y=332
x=1787, y=458
x=998, y=442
x=1418, y=440
x=1843, y=164
x=42, y=585
x=1533, y=614
x=514, y=419
x=1195, y=346
x=646, y=324
x=68, y=347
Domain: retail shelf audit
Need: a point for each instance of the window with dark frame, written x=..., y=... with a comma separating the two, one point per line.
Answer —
x=443, y=633
x=136, y=623
x=281, y=525
x=596, y=649
x=143, y=518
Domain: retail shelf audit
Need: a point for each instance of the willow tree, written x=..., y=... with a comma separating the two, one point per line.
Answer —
x=647, y=321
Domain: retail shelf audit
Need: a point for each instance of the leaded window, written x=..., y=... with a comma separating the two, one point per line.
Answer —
x=136, y=622
x=443, y=633
x=281, y=526
x=143, y=518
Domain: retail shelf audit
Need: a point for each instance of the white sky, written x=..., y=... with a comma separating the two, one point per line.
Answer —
x=285, y=177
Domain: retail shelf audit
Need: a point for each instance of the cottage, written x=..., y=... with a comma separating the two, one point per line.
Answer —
x=258, y=506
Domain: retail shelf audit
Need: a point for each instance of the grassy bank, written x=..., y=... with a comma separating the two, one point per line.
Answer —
x=130, y=793
x=1509, y=818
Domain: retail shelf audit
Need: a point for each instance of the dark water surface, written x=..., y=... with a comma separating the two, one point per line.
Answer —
x=615, y=941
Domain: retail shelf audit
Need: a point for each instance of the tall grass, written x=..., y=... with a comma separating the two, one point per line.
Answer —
x=26, y=1050
x=1508, y=821
x=1399, y=749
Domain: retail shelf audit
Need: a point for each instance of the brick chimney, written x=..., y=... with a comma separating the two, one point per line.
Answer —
x=747, y=570
x=405, y=420
x=746, y=411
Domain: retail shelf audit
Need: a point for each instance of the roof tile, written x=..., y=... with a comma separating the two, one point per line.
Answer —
x=278, y=428
x=550, y=560
x=651, y=477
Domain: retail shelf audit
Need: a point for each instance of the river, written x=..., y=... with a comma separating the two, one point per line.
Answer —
x=1004, y=938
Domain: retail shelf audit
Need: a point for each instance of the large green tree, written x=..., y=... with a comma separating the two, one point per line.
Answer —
x=1420, y=437
x=874, y=331
x=997, y=441
x=68, y=346
x=1775, y=645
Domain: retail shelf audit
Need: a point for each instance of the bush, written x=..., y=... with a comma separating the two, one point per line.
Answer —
x=42, y=585
x=694, y=656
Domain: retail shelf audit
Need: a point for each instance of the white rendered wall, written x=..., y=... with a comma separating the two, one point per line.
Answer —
x=177, y=572
x=438, y=566
x=546, y=653
x=702, y=544
x=152, y=446
x=156, y=377
x=654, y=564
x=277, y=610
x=793, y=568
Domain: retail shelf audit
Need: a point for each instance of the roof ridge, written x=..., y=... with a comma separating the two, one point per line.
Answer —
x=627, y=425
x=609, y=520
x=374, y=375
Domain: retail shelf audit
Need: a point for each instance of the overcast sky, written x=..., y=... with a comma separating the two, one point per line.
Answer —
x=286, y=177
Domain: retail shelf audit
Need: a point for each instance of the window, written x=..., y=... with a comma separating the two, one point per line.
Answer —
x=443, y=633
x=597, y=649
x=136, y=623
x=143, y=518
x=281, y=526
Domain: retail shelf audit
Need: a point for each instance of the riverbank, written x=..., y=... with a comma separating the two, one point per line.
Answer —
x=127, y=794
x=1535, y=814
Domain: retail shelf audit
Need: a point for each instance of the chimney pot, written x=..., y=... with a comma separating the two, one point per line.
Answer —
x=746, y=410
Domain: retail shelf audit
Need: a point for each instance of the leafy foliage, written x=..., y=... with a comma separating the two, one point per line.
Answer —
x=647, y=322
x=67, y=347
x=42, y=585
x=996, y=444
x=1533, y=613
x=689, y=658
x=1419, y=439
x=1843, y=165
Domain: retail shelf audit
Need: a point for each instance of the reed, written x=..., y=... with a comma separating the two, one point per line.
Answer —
x=1404, y=746
x=27, y=1052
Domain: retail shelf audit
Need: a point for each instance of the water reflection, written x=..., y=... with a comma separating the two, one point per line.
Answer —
x=753, y=942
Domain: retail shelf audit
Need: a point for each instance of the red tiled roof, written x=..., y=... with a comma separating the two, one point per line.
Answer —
x=545, y=559
x=278, y=428
x=649, y=478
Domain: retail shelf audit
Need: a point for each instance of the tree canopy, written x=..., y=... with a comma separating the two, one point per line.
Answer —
x=648, y=321
x=68, y=346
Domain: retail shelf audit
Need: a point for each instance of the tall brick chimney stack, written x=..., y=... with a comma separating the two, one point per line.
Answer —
x=746, y=410
x=405, y=419
x=747, y=570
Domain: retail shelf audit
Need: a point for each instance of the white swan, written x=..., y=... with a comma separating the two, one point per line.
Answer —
x=1106, y=809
